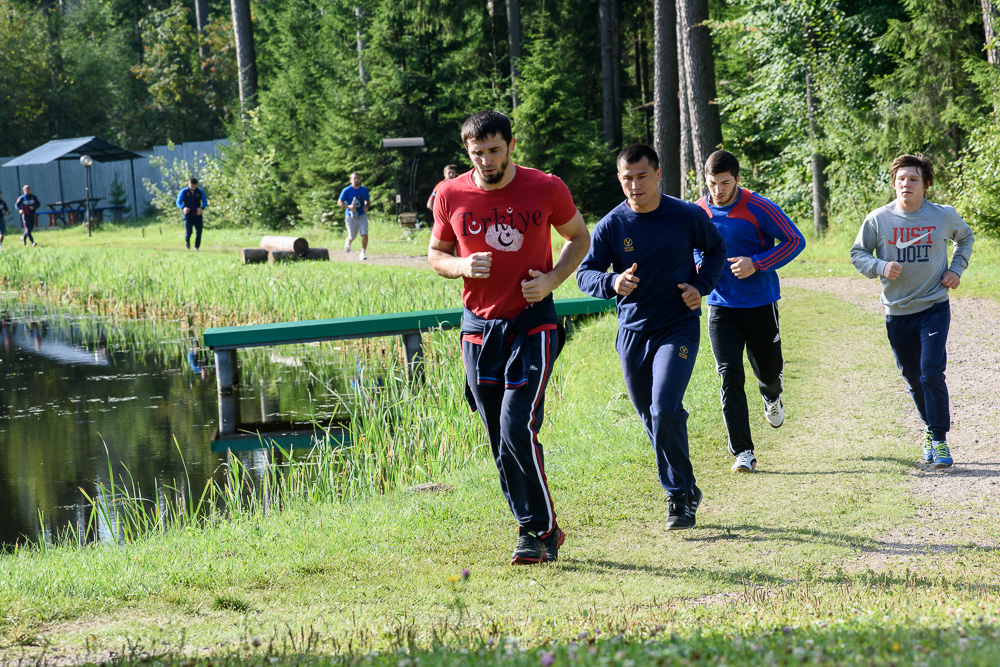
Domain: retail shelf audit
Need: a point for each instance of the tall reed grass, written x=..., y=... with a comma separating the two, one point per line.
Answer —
x=216, y=289
x=400, y=433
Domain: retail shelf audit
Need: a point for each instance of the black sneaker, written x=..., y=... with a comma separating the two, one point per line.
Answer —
x=529, y=549
x=552, y=544
x=681, y=509
x=695, y=499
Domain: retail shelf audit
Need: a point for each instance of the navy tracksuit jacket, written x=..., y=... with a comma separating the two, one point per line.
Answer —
x=658, y=334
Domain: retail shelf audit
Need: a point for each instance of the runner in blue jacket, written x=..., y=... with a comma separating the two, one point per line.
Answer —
x=743, y=307
x=649, y=242
x=192, y=201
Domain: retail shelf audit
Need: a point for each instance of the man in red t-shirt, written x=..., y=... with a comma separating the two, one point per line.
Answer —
x=450, y=172
x=492, y=229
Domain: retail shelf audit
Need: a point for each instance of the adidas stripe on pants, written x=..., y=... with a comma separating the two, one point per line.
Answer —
x=513, y=417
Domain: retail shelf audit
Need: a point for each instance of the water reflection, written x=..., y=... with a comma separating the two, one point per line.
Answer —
x=86, y=402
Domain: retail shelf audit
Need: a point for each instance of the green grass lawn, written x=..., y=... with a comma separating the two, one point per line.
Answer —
x=775, y=573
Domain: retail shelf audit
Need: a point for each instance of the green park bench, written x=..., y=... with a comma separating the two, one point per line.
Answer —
x=224, y=341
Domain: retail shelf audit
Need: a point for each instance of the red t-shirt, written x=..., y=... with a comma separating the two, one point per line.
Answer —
x=438, y=186
x=513, y=223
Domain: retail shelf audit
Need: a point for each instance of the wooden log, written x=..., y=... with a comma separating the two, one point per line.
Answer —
x=253, y=255
x=280, y=256
x=291, y=243
x=317, y=253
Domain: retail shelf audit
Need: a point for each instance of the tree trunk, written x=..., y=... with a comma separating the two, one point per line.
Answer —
x=685, y=143
x=362, y=74
x=666, y=106
x=820, y=188
x=699, y=66
x=296, y=244
x=647, y=90
x=246, y=56
x=609, y=72
x=991, y=18
x=514, y=38
x=616, y=70
x=201, y=20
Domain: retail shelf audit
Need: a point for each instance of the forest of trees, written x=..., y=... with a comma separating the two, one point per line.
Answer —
x=814, y=96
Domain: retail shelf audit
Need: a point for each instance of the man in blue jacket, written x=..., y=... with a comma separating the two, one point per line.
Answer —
x=192, y=201
x=649, y=242
x=743, y=307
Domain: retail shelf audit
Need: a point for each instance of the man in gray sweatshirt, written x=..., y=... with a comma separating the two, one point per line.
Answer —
x=905, y=245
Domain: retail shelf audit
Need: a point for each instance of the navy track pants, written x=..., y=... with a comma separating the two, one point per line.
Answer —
x=193, y=223
x=513, y=417
x=918, y=342
x=657, y=366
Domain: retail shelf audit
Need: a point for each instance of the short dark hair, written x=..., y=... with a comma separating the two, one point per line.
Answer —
x=921, y=161
x=722, y=162
x=485, y=124
x=634, y=153
x=193, y=180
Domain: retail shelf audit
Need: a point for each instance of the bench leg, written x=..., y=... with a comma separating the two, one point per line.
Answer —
x=227, y=379
x=229, y=412
x=414, y=350
x=226, y=372
x=567, y=323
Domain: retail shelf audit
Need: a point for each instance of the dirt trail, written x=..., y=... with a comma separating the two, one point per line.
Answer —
x=957, y=506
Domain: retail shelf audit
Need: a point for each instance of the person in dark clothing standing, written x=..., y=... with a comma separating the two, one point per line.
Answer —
x=649, y=242
x=743, y=307
x=492, y=228
x=4, y=212
x=27, y=204
x=192, y=201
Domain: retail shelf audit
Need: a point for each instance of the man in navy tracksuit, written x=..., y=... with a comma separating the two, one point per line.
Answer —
x=649, y=241
x=192, y=201
x=743, y=307
x=27, y=204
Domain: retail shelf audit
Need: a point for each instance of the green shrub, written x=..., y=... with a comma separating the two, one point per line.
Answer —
x=973, y=188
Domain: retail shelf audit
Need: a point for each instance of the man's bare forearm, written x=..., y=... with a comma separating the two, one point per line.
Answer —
x=445, y=264
x=572, y=254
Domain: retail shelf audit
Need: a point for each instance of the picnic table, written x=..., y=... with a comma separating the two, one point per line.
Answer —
x=70, y=211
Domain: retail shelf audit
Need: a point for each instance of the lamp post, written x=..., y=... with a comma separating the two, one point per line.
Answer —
x=86, y=161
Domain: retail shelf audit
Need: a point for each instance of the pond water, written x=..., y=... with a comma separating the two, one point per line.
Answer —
x=86, y=401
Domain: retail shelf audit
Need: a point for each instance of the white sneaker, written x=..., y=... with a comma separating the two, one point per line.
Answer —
x=347, y=245
x=364, y=254
x=745, y=462
x=774, y=412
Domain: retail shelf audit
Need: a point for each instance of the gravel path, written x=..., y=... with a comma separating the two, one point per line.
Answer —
x=957, y=506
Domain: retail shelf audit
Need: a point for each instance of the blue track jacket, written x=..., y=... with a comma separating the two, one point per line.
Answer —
x=750, y=226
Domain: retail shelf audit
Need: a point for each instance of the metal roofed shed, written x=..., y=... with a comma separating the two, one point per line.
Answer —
x=59, y=150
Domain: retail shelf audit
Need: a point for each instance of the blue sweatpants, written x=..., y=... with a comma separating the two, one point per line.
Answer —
x=918, y=342
x=512, y=417
x=657, y=366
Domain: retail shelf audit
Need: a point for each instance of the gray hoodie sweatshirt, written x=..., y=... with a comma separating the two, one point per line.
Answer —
x=918, y=241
